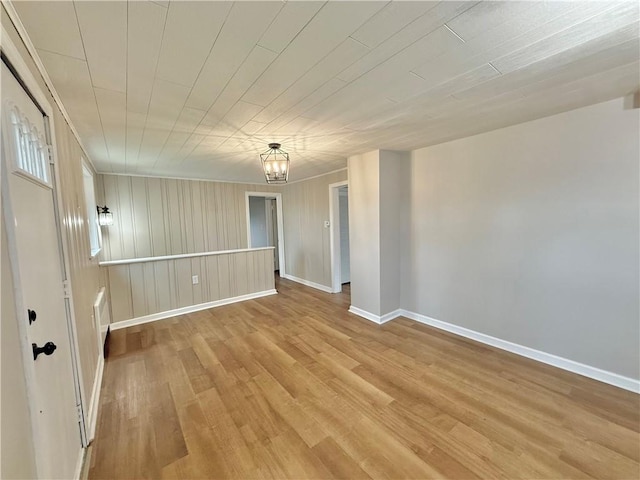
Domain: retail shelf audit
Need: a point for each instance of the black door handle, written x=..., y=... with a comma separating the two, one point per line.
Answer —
x=48, y=348
x=32, y=316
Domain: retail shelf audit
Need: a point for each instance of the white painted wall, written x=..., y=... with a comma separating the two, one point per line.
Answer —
x=364, y=231
x=258, y=220
x=394, y=199
x=345, y=269
x=531, y=234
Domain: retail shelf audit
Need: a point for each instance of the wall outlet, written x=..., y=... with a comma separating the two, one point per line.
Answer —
x=195, y=279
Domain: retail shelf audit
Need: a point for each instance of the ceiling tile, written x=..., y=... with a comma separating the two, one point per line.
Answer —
x=190, y=31
x=53, y=26
x=144, y=36
x=242, y=29
x=330, y=27
x=103, y=26
x=290, y=20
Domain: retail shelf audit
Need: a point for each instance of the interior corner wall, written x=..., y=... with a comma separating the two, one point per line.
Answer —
x=531, y=234
x=394, y=198
x=364, y=231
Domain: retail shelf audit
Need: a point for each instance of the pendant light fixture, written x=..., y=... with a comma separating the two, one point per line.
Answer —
x=275, y=164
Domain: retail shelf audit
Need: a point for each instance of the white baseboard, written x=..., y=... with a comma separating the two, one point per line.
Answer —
x=308, y=283
x=379, y=319
x=92, y=417
x=548, y=358
x=191, y=308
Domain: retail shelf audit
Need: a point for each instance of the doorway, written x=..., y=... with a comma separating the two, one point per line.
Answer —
x=265, y=227
x=339, y=234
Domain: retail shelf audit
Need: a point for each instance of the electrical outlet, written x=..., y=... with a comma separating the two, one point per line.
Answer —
x=195, y=279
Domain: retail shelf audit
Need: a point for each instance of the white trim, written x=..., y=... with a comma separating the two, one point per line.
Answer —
x=279, y=219
x=334, y=235
x=82, y=455
x=191, y=308
x=308, y=283
x=379, y=319
x=548, y=358
x=92, y=417
x=604, y=376
x=128, y=261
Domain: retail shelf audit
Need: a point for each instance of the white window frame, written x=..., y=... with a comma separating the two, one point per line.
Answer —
x=93, y=228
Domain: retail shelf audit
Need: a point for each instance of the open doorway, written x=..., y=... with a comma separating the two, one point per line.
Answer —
x=264, y=225
x=339, y=225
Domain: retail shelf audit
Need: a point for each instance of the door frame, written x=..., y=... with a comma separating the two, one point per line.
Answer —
x=280, y=219
x=33, y=89
x=334, y=234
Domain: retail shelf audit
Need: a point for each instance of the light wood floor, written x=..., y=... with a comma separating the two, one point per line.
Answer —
x=292, y=386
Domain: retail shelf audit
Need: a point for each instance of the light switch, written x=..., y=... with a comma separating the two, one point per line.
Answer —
x=195, y=279
x=326, y=224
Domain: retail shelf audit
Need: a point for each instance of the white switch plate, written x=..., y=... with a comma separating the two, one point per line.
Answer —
x=326, y=224
x=195, y=279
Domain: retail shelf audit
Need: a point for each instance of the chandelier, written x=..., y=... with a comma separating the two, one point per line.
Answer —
x=275, y=164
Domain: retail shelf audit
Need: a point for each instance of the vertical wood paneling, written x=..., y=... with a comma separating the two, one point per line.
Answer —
x=155, y=217
x=161, y=281
x=120, y=288
x=128, y=236
x=212, y=278
x=140, y=289
x=140, y=216
x=307, y=247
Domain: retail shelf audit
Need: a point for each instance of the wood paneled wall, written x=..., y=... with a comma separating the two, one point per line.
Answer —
x=307, y=245
x=140, y=289
x=156, y=216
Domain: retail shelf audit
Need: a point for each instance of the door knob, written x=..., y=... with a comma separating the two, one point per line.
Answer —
x=48, y=348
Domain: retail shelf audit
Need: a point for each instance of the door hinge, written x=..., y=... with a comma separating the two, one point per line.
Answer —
x=50, y=154
x=66, y=288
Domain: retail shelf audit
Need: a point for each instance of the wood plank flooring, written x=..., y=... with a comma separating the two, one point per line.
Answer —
x=293, y=386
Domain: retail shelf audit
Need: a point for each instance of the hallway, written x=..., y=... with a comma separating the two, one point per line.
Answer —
x=293, y=386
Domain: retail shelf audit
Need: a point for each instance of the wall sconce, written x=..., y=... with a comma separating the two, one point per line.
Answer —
x=105, y=217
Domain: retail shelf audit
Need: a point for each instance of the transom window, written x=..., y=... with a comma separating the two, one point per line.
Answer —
x=31, y=151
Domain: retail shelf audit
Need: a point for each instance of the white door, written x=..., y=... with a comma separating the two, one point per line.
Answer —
x=28, y=204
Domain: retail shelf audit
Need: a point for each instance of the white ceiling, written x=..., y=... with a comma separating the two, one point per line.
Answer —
x=198, y=89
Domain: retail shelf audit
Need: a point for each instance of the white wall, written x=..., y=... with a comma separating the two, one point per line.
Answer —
x=394, y=199
x=258, y=221
x=343, y=208
x=364, y=231
x=531, y=234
